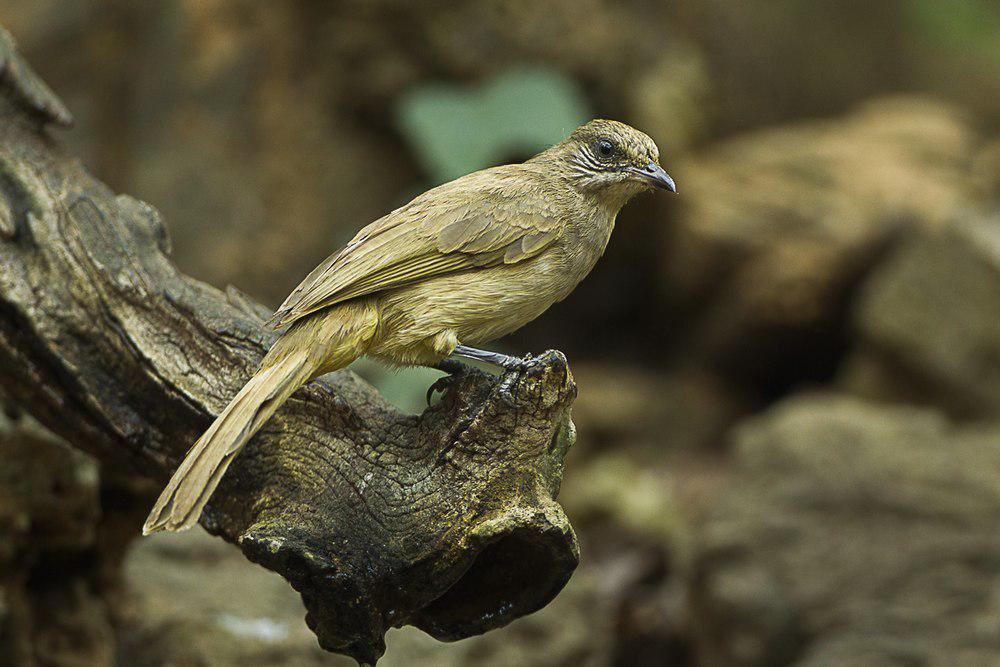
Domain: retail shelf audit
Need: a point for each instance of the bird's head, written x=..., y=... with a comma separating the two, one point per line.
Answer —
x=610, y=160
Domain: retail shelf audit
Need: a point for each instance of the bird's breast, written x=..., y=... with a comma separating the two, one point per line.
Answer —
x=485, y=304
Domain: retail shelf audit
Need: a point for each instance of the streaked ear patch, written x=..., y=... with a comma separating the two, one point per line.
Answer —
x=634, y=146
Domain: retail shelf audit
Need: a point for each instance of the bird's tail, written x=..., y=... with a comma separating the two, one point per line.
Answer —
x=321, y=345
x=180, y=505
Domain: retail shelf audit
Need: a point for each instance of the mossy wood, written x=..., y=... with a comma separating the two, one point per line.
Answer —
x=445, y=520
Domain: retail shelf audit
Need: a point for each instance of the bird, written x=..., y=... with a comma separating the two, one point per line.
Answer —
x=460, y=265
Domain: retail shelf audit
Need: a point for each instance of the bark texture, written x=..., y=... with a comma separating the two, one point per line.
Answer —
x=446, y=520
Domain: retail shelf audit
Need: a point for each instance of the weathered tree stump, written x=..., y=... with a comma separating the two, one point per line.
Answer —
x=446, y=520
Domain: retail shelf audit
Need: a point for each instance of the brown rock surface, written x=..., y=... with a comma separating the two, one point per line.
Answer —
x=929, y=321
x=848, y=535
x=195, y=602
x=778, y=226
x=52, y=605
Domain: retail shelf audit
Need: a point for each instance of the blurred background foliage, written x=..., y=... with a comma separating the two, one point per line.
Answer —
x=455, y=130
x=789, y=373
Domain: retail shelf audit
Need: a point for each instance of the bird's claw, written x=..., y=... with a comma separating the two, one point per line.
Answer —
x=442, y=384
x=514, y=370
x=445, y=382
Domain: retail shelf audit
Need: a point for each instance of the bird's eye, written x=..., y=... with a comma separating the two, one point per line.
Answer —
x=605, y=148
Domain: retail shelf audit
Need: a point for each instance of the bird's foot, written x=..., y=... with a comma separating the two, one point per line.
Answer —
x=514, y=370
x=513, y=367
x=518, y=364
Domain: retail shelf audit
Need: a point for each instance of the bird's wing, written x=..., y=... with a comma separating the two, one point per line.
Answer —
x=421, y=241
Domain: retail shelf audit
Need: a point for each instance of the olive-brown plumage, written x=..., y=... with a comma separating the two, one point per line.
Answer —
x=462, y=264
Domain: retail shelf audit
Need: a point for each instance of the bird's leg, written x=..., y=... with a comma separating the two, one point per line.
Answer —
x=504, y=361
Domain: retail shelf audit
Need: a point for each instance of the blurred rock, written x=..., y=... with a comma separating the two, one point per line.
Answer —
x=929, y=324
x=51, y=607
x=196, y=601
x=648, y=450
x=777, y=227
x=850, y=535
x=616, y=490
x=653, y=412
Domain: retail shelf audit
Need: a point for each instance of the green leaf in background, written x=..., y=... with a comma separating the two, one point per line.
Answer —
x=455, y=130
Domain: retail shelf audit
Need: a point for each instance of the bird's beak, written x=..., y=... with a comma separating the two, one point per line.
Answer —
x=655, y=176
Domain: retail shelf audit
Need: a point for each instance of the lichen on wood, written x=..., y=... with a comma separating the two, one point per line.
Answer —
x=445, y=520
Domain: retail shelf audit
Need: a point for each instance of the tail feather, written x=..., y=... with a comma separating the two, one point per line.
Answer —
x=185, y=496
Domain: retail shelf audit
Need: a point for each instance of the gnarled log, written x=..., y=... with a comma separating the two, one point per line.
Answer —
x=446, y=520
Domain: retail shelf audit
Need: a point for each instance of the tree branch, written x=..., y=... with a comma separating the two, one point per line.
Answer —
x=445, y=520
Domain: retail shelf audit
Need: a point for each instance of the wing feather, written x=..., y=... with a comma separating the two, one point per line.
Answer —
x=418, y=242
